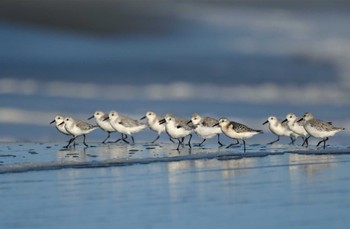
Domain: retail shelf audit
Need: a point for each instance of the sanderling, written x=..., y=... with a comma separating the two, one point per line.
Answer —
x=77, y=128
x=177, y=128
x=296, y=127
x=105, y=125
x=318, y=128
x=125, y=125
x=204, y=127
x=280, y=129
x=58, y=120
x=153, y=123
x=236, y=131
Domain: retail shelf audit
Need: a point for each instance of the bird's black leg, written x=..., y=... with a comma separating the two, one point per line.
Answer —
x=292, y=140
x=278, y=138
x=178, y=144
x=124, y=137
x=109, y=134
x=319, y=142
x=244, y=145
x=200, y=144
x=132, y=138
x=84, y=141
x=306, y=141
x=155, y=139
x=232, y=144
x=324, y=143
x=219, y=141
x=69, y=142
x=189, y=141
x=182, y=140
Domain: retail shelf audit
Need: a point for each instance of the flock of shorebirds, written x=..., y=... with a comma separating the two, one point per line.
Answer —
x=205, y=127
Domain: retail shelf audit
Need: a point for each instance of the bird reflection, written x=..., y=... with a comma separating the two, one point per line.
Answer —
x=74, y=154
x=308, y=166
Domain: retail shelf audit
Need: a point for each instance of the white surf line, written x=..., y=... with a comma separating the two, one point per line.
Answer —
x=227, y=155
x=21, y=116
x=265, y=93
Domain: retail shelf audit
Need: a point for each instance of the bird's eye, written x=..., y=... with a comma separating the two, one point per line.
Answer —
x=98, y=113
x=290, y=116
x=58, y=118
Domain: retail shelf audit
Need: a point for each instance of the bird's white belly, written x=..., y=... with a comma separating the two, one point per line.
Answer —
x=175, y=132
x=105, y=125
x=207, y=132
x=300, y=130
x=319, y=133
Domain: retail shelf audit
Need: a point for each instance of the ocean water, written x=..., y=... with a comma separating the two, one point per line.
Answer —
x=155, y=186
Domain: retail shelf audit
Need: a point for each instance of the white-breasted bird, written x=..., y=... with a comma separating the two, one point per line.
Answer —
x=204, y=127
x=318, y=128
x=77, y=128
x=236, y=131
x=105, y=125
x=125, y=125
x=177, y=128
x=280, y=129
x=153, y=123
x=296, y=127
x=58, y=120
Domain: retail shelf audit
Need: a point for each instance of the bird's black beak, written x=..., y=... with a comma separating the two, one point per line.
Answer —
x=52, y=121
x=284, y=121
x=90, y=117
x=300, y=119
x=106, y=119
x=162, y=121
x=217, y=124
x=143, y=118
x=265, y=122
x=189, y=122
x=60, y=124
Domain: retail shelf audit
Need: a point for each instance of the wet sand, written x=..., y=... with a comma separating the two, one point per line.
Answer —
x=146, y=186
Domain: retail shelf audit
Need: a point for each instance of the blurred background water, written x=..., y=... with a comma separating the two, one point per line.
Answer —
x=240, y=59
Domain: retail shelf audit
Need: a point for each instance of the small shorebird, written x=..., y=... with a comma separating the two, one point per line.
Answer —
x=318, y=128
x=105, y=125
x=177, y=128
x=296, y=127
x=153, y=123
x=236, y=131
x=58, y=120
x=204, y=127
x=280, y=129
x=125, y=125
x=77, y=128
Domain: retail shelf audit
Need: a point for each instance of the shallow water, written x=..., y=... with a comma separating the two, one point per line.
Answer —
x=117, y=186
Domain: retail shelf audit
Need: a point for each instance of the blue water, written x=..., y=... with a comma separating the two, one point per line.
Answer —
x=291, y=189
